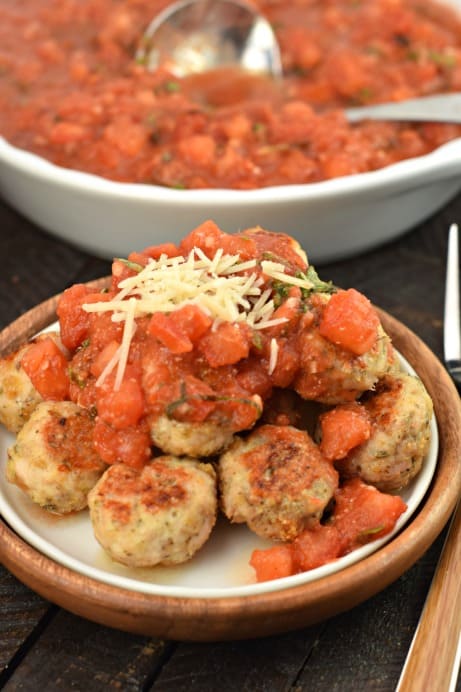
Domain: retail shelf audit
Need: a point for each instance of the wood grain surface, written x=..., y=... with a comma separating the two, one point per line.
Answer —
x=436, y=643
x=45, y=646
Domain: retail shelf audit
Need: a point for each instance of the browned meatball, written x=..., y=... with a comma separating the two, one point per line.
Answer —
x=53, y=460
x=331, y=374
x=400, y=411
x=160, y=514
x=276, y=480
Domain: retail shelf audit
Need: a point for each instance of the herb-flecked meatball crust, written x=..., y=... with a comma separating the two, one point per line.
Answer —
x=400, y=411
x=53, y=460
x=275, y=480
x=160, y=514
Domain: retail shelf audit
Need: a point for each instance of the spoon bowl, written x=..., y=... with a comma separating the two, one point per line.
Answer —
x=193, y=36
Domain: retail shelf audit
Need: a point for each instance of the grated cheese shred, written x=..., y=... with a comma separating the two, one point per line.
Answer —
x=223, y=287
x=274, y=352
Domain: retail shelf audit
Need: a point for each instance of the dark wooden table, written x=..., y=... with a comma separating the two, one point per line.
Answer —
x=43, y=647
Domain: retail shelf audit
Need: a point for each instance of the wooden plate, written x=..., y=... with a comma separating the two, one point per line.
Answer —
x=208, y=619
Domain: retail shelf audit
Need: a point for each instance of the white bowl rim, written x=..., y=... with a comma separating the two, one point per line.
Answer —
x=443, y=162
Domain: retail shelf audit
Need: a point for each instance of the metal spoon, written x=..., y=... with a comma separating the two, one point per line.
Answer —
x=442, y=108
x=194, y=36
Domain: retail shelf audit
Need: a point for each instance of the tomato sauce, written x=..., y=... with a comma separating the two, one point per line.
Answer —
x=189, y=366
x=72, y=92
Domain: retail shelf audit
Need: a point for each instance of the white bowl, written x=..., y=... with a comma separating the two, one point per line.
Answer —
x=332, y=219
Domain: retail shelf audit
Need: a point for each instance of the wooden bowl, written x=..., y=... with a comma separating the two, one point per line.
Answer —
x=212, y=619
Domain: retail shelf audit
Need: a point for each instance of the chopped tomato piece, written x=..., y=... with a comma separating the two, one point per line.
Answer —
x=225, y=345
x=156, y=251
x=103, y=358
x=121, y=269
x=290, y=311
x=137, y=259
x=167, y=330
x=153, y=252
x=46, y=367
x=363, y=513
x=131, y=446
x=180, y=329
x=242, y=411
x=122, y=407
x=188, y=399
x=253, y=377
x=350, y=321
x=208, y=237
x=343, y=428
x=192, y=321
x=273, y=563
x=315, y=547
x=277, y=246
x=73, y=320
x=102, y=329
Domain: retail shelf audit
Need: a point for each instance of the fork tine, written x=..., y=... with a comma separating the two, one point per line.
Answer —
x=452, y=326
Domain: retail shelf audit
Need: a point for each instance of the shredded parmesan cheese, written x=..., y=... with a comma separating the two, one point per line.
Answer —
x=223, y=287
x=274, y=352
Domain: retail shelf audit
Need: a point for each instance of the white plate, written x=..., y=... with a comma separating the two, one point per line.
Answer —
x=219, y=570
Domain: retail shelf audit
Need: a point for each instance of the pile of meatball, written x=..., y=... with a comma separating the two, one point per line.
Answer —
x=274, y=477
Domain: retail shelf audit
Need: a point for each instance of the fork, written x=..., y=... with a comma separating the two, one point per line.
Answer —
x=443, y=604
x=452, y=327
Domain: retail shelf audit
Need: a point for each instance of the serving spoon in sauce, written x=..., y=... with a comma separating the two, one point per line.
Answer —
x=194, y=36
x=191, y=37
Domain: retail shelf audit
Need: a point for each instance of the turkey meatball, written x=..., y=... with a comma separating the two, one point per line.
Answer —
x=160, y=514
x=18, y=396
x=400, y=411
x=277, y=481
x=332, y=374
x=182, y=438
x=53, y=460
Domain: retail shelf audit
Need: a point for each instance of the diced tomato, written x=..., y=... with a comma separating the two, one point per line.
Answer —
x=315, y=547
x=102, y=329
x=166, y=329
x=73, y=320
x=122, y=407
x=253, y=376
x=103, y=358
x=208, y=237
x=343, y=428
x=350, y=321
x=287, y=364
x=362, y=513
x=241, y=411
x=137, y=259
x=131, y=446
x=186, y=399
x=279, y=246
x=192, y=321
x=273, y=563
x=156, y=251
x=180, y=329
x=46, y=366
x=289, y=311
x=225, y=345
x=122, y=270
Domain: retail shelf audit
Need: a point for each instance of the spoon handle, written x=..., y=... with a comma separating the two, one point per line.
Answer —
x=441, y=108
x=433, y=659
